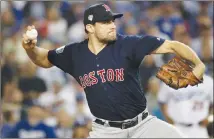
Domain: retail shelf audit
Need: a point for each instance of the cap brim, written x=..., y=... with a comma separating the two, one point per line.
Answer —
x=113, y=16
x=117, y=15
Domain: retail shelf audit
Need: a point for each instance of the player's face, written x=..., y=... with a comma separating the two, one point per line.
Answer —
x=105, y=31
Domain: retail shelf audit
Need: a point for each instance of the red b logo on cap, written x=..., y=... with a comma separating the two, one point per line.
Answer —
x=106, y=7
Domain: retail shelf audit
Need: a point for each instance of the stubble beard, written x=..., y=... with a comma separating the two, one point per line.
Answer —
x=107, y=39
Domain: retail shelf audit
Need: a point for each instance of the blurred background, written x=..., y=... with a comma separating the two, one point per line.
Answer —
x=30, y=94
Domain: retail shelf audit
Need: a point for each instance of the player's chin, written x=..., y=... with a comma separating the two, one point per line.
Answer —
x=112, y=37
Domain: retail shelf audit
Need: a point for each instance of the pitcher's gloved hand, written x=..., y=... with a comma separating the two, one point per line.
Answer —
x=177, y=73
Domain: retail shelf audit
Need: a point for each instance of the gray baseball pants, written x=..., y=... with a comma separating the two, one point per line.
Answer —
x=150, y=127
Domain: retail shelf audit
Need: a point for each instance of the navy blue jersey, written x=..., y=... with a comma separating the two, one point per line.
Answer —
x=110, y=78
x=24, y=130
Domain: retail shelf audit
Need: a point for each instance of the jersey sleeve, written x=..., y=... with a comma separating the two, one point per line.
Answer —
x=163, y=94
x=141, y=46
x=60, y=57
x=208, y=82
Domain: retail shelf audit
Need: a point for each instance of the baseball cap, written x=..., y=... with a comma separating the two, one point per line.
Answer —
x=99, y=12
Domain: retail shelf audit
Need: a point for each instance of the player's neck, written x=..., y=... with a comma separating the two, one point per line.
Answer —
x=95, y=46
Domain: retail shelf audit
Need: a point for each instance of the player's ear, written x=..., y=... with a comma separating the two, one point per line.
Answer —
x=90, y=28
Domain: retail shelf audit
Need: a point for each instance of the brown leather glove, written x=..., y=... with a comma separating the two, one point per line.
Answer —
x=204, y=122
x=177, y=73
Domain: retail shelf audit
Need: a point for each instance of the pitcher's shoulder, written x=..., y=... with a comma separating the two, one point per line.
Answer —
x=121, y=37
x=76, y=45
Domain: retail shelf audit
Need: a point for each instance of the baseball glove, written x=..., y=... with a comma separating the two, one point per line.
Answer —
x=177, y=73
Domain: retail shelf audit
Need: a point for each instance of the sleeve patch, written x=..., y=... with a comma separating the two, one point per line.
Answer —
x=60, y=49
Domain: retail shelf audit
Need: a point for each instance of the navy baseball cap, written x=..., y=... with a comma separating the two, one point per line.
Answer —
x=98, y=13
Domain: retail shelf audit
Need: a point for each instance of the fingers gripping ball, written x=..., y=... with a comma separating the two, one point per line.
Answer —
x=32, y=34
x=177, y=73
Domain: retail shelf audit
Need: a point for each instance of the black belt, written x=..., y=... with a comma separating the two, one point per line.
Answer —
x=123, y=125
x=185, y=124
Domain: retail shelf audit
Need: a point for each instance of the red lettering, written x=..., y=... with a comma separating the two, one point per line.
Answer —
x=94, y=79
x=82, y=82
x=106, y=7
x=90, y=79
x=119, y=74
x=87, y=80
x=101, y=74
x=110, y=75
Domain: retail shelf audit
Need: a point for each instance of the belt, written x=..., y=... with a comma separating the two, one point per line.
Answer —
x=123, y=125
x=185, y=124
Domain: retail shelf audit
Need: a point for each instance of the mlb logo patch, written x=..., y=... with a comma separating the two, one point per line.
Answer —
x=90, y=17
x=106, y=7
x=60, y=49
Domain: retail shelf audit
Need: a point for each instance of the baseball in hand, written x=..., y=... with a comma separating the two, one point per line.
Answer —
x=32, y=34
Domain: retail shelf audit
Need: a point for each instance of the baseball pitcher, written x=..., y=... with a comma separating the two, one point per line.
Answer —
x=106, y=65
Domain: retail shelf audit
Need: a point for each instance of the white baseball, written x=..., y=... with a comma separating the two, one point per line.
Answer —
x=32, y=34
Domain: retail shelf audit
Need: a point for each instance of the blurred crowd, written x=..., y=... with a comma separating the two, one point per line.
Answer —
x=53, y=100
